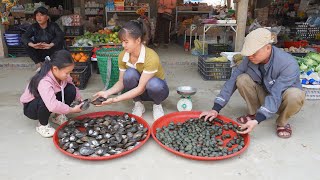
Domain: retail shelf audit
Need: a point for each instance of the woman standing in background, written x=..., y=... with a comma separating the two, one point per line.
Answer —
x=164, y=17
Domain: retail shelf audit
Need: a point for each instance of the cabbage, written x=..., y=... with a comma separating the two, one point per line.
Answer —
x=80, y=41
x=317, y=69
x=315, y=56
x=310, y=62
x=303, y=67
x=90, y=43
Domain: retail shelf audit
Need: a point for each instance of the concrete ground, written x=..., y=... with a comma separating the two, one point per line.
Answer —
x=24, y=154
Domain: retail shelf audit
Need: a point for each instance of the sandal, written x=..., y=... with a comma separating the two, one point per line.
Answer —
x=284, y=129
x=45, y=131
x=245, y=119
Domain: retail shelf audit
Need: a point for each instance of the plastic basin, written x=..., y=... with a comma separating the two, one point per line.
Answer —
x=184, y=116
x=100, y=114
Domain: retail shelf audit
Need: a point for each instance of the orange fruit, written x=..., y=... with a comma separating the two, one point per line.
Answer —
x=81, y=54
x=83, y=59
x=77, y=57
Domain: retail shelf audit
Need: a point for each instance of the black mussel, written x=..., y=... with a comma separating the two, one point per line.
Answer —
x=103, y=141
x=62, y=134
x=93, y=142
x=75, y=103
x=86, y=151
x=70, y=151
x=98, y=101
x=99, y=137
x=101, y=151
x=85, y=105
x=73, y=145
x=80, y=134
x=73, y=138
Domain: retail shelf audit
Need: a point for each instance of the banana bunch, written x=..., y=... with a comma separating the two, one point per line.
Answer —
x=9, y=4
x=198, y=45
x=237, y=59
x=217, y=59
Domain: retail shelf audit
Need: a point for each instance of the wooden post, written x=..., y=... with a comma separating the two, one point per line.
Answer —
x=3, y=46
x=228, y=3
x=242, y=8
x=82, y=7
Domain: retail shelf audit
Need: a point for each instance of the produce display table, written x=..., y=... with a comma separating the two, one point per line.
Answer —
x=206, y=27
x=178, y=11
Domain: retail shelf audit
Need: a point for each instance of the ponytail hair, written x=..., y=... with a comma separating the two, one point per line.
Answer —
x=60, y=59
x=136, y=29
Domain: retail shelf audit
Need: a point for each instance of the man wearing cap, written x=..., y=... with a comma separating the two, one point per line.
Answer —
x=42, y=38
x=268, y=80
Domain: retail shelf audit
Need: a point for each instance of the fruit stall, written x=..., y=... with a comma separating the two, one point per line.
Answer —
x=83, y=49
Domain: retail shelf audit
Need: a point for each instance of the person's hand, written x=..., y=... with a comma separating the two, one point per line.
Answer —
x=46, y=45
x=107, y=102
x=209, y=115
x=76, y=109
x=104, y=94
x=248, y=127
x=35, y=46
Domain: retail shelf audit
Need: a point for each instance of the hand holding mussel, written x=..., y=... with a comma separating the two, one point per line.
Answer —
x=98, y=101
x=85, y=104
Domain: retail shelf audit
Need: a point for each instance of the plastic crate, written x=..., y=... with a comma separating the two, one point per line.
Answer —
x=80, y=49
x=298, y=54
x=312, y=91
x=297, y=44
x=216, y=49
x=73, y=30
x=219, y=71
x=80, y=76
x=108, y=57
x=12, y=40
x=87, y=52
x=17, y=51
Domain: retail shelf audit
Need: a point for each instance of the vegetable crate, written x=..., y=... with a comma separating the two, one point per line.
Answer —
x=81, y=55
x=80, y=76
x=297, y=44
x=17, y=51
x=312, y=91
x=219, y=71
x=108, y=65
x=215, y=49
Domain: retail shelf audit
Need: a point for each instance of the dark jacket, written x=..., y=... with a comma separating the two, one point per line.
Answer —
x=282, y=72
x=51, y=34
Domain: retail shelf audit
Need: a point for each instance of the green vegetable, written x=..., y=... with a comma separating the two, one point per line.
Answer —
x=303, y=67
x=310, y=62
x=317, y=69
x=315, y=56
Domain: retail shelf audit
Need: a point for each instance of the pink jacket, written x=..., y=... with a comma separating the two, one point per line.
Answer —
x=48, y=88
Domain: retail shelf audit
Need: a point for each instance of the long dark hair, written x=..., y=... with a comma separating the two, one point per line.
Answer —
x=135, y=29
x=60, y=59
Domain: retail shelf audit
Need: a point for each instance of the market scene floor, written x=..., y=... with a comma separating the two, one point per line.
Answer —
x=26, y=155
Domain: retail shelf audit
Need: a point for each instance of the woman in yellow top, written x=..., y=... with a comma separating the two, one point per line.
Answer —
x=141, y=73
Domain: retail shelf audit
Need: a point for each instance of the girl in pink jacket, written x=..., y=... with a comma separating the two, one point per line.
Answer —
x=51, y=91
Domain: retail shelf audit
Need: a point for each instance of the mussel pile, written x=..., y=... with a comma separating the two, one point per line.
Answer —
x=202, y=138
x=102, y=136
